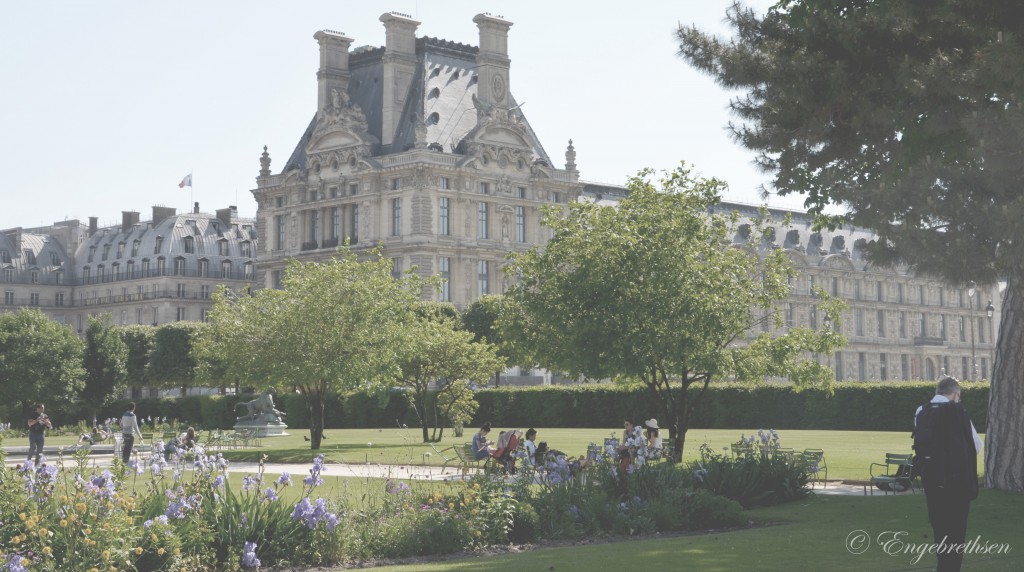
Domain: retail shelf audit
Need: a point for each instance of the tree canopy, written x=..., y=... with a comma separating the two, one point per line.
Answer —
x=106, y=363
x=40, y=359
x=907, y=115
x=171, y=362
x=651, y=289
x=337, y=325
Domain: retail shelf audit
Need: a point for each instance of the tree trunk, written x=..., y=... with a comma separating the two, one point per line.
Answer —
x=315, y=406
x=679, y=420
x=1004, y=446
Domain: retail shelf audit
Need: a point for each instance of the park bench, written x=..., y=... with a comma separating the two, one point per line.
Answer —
x=814, y=461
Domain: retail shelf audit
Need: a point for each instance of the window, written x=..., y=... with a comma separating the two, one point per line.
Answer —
x=812, y=317
x=101, y=273
x=9, y=274
x=115, y=271
x=58, y=277
x=904, y=367
x=858, y=319
x=353, y=189
x=275, y=279
x=520, y=192
x=835, y=286
x=839, y=366
x=179, y=266
x=204, y=291
x=333, y=192
x=181, y=291
x=942, y=296
x=5, y=256
x=856, y=289
x=35, y=277
x=963, y=333
x=159, y=245
x=204, y=268
x=312, y=195
x=942, y=328
x=984, y=368
x=789, y=315
x=354, y=234
x=161, y=266
x=314, y=226
x=945, y=365
x=862, y=366
x=278, y=202
x=981, y=330
x=58, y=299
x=222, y=247
x=446, y=279
x=883, y=367
x=106, y=251
x=396, y=217
x=520, y=224
x=182, y=314
x=204, y=315
x=556, y=197
x=485, y=188
x=396, y=183
x=92, y=254
x=923, y=330
x=810, y=285
x=960, y=296
x=248, y=270
x=881, y=323
x=903, y=325
x=135, y=248
x=225, y=269
x=879, y=292
x=482, y=220
x=445, y=183
x=482, y=284
x=335, y=224
x=120, y=250
x=190, y=245
x=396, y=268
x=920, y=295
x=443, y=226
x=279, y=232
x=8, y=298
x=33, y=299
x=899, y=293
x=246, y=249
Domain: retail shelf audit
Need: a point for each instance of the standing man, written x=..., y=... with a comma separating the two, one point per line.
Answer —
x=947, y=446
x=38, y=423
x=129, y=429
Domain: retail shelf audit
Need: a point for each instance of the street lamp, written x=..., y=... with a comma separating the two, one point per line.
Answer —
x=972, y=287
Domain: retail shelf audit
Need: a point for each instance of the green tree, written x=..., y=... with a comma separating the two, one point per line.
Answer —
x=436, y=351
x=40, y=360
x=908, y=116
x=139, y=341
x=106, y=364
x=651, y=289
x=171, y=363
x=338, y=325
x=481, y=318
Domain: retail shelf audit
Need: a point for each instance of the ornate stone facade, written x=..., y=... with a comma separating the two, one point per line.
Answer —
x=407, y=150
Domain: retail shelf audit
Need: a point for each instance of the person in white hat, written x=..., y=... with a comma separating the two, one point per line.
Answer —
x=652, y=433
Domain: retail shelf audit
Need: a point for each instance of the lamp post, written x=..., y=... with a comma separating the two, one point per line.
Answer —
x=990, y=310
x=827, y=322
x=971, y=289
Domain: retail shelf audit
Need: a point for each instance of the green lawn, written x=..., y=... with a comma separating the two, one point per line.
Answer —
x=848, y=453
x=809, y=535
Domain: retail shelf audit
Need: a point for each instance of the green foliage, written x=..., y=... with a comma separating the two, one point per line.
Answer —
x=760, y=478
x=170, y=361
x=335, y=326
x=40, y=360
x=139, y=341
x=106, y=363
x=650, y=289
x=525, y=524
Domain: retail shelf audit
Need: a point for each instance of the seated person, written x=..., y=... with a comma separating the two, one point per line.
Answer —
x=544, y=454
x=508, y=443
x=632, y=442
x=531, y=447
x=188, y=440
x=481, y=446
x=653, y=434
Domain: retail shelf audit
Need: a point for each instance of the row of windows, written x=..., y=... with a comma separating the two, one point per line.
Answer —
x=179, y=268
x=444, y=183
x=921, y=324
x=900, y=296
x=189, y=244
x=33, y=298
x=445, y=217
x=8, y=276
x=912, y=368
x=30, y=257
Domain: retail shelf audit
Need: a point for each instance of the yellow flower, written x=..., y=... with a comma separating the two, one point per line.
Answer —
x=476, y=486
x=73, y=517
x=63, y=522
x=80, y=507
x=24, y=561
x=22, y=516
x=47, y=550
x=138, y=550
x=177, y=551
x=94, y=569
x=87, y=530
x=475, y=511
x=153, y=536
x=451, y=505
x=160, y=551
x=476, y=532
x=106, y=526
x=106, y=555
x=43, y=532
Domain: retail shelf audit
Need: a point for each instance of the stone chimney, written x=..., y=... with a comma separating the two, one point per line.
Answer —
x=93, y=225
x=225, y=215
x=195, y=208
x=399, y=69
x=333, y=74
x=128, y=220
x=160, y=213
x=492, y=60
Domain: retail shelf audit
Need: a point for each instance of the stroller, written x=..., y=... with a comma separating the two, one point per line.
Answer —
x=508, y=443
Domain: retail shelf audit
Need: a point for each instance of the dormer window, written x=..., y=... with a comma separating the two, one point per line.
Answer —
x=54, y=259
x=190, y=245
x=5, y=256
x=120, y=250
x=179, y=266
x=223, y=246
x=92, y=253
x=159, y=245
x=106, y=251
x=247, y=249
x=135, y=248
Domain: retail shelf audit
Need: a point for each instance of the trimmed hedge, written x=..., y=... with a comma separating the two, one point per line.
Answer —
x=873, y=406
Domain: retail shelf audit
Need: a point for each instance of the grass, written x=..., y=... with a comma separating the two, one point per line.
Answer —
x=807, y=535
x=848, y=453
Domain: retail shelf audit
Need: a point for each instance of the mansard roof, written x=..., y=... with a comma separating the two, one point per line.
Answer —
x=441, y=95
x=30, y=250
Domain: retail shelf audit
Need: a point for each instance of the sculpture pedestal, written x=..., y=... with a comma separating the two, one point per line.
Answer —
x=262, y=428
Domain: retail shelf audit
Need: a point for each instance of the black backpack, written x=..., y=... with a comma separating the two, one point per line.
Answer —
x=944, y=454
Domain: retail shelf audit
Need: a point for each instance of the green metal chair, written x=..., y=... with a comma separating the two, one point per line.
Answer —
x=893, y=473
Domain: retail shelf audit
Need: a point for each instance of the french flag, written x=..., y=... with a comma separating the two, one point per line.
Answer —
x=186, y=182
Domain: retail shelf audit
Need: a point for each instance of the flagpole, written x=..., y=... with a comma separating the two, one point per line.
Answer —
x=191, y=192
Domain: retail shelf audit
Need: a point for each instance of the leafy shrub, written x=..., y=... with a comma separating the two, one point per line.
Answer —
x=525, y=523
x=751, y=480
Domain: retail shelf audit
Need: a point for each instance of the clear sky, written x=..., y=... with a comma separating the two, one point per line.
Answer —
x=106, y=105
